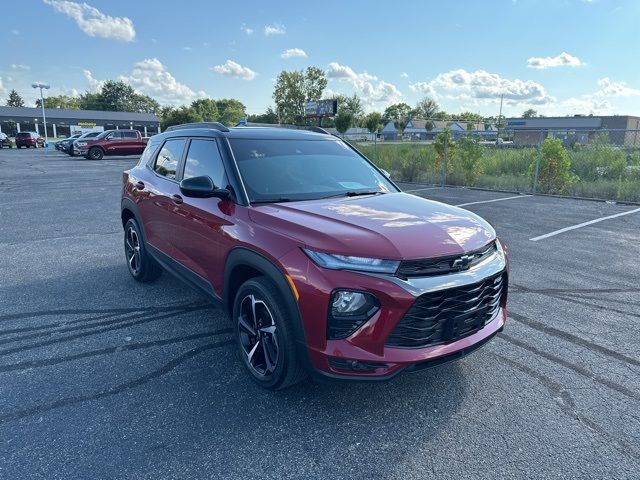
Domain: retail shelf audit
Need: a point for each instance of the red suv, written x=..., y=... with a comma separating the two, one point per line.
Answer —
x=29, y=139
x=322, y=263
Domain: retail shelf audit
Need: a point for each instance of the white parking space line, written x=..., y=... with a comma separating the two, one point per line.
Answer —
x=494, y=200
x=584, y=224
x=421, y=189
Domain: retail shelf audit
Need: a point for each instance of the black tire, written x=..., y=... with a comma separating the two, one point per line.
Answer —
x=70, y=152
x=273, y=364
x=141, y=265
x=95, y=153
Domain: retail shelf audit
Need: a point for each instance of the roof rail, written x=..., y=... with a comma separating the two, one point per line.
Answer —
x=311, y=128
x=213, y=125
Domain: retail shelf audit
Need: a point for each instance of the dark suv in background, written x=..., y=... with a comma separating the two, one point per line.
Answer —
x=321, y=262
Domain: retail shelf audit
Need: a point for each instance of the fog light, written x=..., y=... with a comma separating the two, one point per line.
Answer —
x=349, y=311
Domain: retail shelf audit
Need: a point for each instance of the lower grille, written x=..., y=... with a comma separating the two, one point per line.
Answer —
x=447, y=315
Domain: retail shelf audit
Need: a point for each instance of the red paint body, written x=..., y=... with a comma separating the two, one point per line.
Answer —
x=200, y=233
x=129, y=142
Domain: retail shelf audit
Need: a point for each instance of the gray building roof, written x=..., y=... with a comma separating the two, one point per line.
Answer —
x=68, y=114
x=585, y=123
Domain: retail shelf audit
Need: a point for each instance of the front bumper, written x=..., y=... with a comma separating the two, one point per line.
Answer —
x=364, y=355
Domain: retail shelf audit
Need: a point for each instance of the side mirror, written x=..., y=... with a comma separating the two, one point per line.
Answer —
x=202, y=187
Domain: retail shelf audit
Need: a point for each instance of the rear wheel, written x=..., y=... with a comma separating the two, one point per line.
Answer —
x=141, y=265
x=264, y=335
x=95, y=153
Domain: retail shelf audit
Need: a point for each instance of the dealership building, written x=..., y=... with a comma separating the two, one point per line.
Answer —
x=62, y=122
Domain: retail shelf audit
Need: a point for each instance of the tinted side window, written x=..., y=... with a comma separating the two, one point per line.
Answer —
x=130, y=135
x=115, y=135
x=169, y=157
x=204, y=159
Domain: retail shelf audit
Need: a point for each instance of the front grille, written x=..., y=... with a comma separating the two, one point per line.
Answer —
x=426, y=267
x=448, y=315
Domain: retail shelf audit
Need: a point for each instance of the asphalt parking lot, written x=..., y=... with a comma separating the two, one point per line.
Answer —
x=101, y=377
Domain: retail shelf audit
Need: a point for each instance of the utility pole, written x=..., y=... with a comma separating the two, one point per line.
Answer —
x=499, y=119
x=46, y=86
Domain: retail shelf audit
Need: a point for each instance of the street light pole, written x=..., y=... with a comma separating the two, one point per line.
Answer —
x=46, y=86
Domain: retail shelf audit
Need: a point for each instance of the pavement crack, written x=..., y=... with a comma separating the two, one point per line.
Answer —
x=115, y=390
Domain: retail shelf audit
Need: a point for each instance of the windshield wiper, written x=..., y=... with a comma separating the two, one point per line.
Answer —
x=271, y=200
x=356, y=193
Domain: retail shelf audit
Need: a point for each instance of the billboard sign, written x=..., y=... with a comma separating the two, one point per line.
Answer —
x=321, y=108
x=84, y=127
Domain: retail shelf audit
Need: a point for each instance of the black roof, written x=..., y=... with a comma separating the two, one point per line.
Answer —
x=271, y=133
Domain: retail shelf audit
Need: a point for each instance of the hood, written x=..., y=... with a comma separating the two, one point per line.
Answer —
x=391, y=226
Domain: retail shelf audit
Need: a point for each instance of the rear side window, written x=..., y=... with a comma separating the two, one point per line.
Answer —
x=169, y=157
x=129, y=135
x=204, y=158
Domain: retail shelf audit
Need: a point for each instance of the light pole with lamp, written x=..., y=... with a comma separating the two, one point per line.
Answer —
x=46, y=86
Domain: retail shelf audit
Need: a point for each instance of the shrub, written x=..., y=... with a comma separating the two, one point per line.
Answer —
x=554, y=175
x=468, y=164
x=445, y=147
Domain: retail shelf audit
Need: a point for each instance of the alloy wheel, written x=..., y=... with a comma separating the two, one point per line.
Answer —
x=258, y=339
x=132, y=250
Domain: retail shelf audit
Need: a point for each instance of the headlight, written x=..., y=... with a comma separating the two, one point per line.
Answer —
x=344, y=262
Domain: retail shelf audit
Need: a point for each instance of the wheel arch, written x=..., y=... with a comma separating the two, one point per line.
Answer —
x=243, y=264
x=129, y=210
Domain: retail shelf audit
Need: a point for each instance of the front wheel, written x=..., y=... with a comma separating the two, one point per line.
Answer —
x=142, y=266
x=95, y=153
x=264, y=335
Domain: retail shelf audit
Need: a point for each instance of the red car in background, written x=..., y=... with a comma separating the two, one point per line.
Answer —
x=110, y=142
x=323, y=265
x=29, y=139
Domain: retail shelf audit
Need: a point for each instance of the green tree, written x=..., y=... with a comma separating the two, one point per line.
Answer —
x=468, y=164
x=206, y=108
x=425, y=108
x=60, y=101
x=373, y=121
x=118, y=96
x=399, y=113
x=554, y=175
x=143, y=104
x=176, y=116
x=15, y=100
x=445, y=148
x=530, y=113
x=344, y=121
x=353, y=106
x=270, y=116
x=293, y=89
x=230, y=111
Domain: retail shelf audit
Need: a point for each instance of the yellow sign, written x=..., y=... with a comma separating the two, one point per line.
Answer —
x=87, y=124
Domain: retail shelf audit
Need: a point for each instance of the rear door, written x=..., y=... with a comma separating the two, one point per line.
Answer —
x=131, y=144
x=199, y=239
x=161, y=194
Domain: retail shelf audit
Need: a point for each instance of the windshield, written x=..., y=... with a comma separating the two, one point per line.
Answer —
x=289, y=170
x=89, y=134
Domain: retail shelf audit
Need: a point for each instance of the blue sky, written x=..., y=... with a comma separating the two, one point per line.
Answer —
x=558, y=57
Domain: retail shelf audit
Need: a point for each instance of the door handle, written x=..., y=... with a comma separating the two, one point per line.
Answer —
x=140, y=185
x=177, y=199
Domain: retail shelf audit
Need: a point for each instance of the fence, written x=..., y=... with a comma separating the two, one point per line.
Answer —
x=603, y=164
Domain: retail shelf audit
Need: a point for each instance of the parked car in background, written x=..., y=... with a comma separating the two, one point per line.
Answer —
x=111, y=142
x=64, y=144
x=29, y=139
x=5, y=141
x=86, y=135
x=322, y=263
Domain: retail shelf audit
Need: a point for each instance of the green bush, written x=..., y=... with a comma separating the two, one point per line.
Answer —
x=468, y=165
x=554, y=175
x=599, y=159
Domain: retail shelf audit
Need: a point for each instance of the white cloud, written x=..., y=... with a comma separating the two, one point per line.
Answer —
x=482, y=85
x=293, y=52
x=247, y=30
x=95, y=23
x=372, y=90
x=94, y=84
x=609, y=88
x=15, y=31
x=233, y=69
x=21, y=67
x=274, y=29
x=187, y=49
x=562, y=60
x=404, y=75
x=152, y=78
x=425, y=88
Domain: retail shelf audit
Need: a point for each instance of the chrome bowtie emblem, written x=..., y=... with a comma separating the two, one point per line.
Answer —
x=462, y=262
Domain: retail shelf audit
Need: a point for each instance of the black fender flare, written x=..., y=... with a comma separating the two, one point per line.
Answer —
x=128, y=204
x=245, y=257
